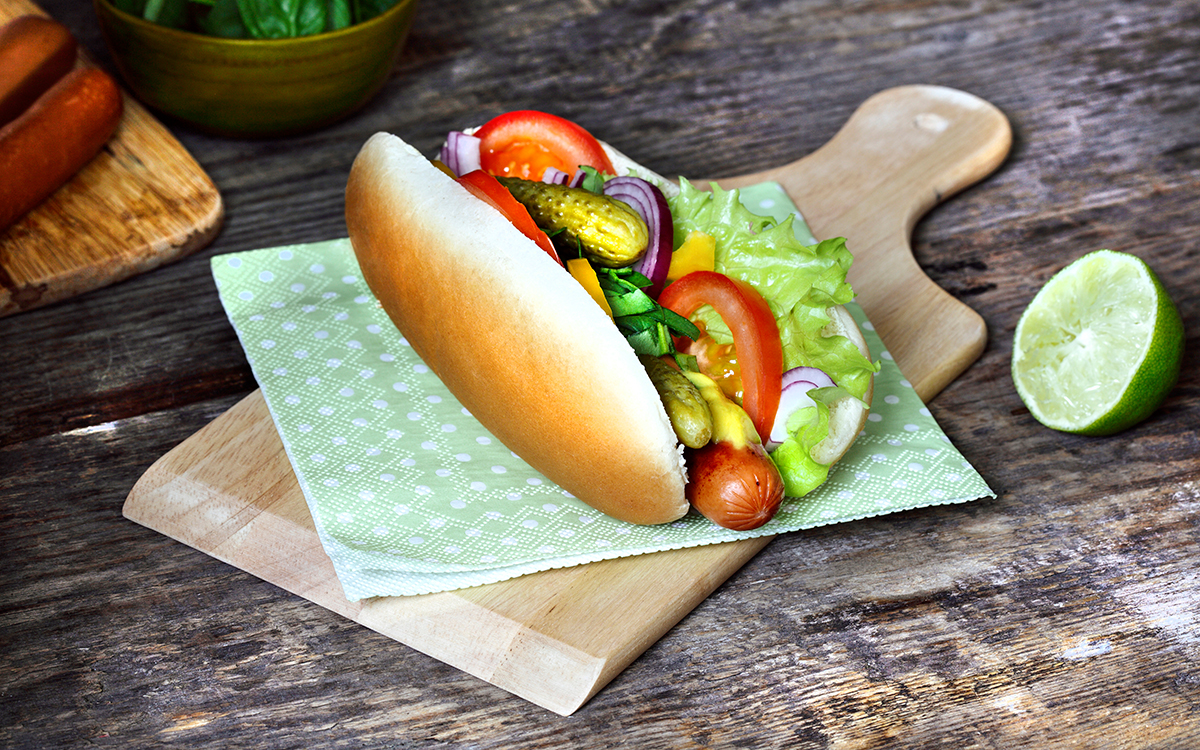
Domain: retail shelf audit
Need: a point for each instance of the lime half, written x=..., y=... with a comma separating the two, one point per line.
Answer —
x=1099, y=347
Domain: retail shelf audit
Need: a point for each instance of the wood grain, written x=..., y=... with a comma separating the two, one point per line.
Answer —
x=229, y=490
x=1060, y=614
x=901, y=153
x=141, y=202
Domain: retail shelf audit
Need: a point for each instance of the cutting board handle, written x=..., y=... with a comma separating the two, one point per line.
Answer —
x=903, y=151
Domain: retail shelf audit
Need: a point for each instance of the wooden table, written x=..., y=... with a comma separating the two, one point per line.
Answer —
x=1065, y=613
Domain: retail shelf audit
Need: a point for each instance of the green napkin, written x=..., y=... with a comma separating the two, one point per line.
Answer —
x=411, y=495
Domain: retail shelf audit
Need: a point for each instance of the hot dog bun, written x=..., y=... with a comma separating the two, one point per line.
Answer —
x=848, y=416
x=515, y=338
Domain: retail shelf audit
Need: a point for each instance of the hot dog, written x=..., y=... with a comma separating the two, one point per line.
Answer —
x=35, y=52
x=529, y=353
x=53, y=139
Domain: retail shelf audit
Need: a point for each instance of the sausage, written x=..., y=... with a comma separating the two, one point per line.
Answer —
x=35, y=52
x=734, y=486
x=55, y=138
x=733, y=481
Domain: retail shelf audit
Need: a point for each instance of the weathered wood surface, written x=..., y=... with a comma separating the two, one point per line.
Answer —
x=229, y=490
x=1062, y=614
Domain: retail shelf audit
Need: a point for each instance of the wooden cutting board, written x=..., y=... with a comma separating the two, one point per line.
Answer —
x=141, y=202
x=556, y=638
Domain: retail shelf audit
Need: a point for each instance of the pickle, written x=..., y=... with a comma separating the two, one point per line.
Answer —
x=687, y=409
x=608, y=231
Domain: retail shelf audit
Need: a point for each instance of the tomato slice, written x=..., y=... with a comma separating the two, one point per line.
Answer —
x=487, y=188
x=524, y=143
x=755, y=336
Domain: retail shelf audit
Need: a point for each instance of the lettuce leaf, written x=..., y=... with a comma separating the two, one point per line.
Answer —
x=801, y=474
x=799, y=282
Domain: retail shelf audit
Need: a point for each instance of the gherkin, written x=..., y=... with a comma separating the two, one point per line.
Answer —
x=609, y=232
x=689, y=413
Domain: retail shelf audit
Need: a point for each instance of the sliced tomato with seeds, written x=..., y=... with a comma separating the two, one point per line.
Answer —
x=755, y=336
x=525, y=142
x=488, y=189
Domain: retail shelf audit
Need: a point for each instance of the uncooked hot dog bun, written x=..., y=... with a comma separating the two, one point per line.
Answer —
x=516, y=339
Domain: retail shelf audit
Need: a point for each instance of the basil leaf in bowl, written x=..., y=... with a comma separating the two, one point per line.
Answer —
x=255, y=19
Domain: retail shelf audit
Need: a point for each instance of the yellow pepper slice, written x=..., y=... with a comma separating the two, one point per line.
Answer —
x=697, y=253
x=583, y=272
x=442, y=166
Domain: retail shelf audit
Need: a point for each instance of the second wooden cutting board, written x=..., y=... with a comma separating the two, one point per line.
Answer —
x=556, y=638
x=142, y=202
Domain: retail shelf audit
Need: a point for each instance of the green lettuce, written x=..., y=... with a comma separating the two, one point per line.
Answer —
x=806, y=427
x=799, y=282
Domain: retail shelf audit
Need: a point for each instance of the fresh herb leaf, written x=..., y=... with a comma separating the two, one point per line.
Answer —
x=647, y=326
x=311, y=17
x=132, y=7
x=173, y=13
x=680, y=325
x=281, y=19
x=338, y=15
x=594, y=182
x=659, y=317
x=635, y=302
x=366, y=9
x=650, y=342
x=256, y=19
x=687, y=362
x=222, y=19
x=623, y=279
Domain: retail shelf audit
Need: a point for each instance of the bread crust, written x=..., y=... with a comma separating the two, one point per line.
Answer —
x=513, y=336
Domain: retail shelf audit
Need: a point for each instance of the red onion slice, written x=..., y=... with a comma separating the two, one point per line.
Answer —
x=460, y=152
x=648, y=201
x=577, y=179
x=797, y=382
x=555, y=176
x=808, y=375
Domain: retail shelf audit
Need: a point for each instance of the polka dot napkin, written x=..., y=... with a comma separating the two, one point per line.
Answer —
x=410, y=495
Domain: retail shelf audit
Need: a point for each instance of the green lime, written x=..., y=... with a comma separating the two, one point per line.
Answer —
x=1099, y=347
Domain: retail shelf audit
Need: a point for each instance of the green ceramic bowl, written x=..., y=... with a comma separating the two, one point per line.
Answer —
x=245, y=87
